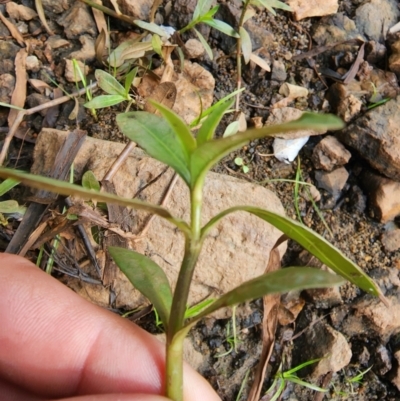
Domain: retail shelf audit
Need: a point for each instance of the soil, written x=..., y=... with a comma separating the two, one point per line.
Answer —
x=355, y=231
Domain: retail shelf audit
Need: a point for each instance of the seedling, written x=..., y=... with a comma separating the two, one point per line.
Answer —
x=116, y=93
x=168, y=139
x=231, y=335
x=239, y=162
x=358, y=379
x=9, y=208
x=281, y=379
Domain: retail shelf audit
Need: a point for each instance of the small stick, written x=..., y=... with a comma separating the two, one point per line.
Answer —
x=118, y=162
x=21, y=114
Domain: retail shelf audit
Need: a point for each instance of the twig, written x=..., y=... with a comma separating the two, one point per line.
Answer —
x=118, y=162
x=108, y=11
x=21, y=114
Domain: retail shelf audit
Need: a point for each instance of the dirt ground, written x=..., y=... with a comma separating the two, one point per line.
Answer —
x=348, y=216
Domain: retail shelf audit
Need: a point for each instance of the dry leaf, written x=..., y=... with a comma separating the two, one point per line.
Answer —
x=39, y=85
x=260, y=62
x=40, y=11
x=101, y=46
x=242, y=122
x=101, y=23
x=165, y=93
x=269, y=324
x=15, y=33
x=19, y=95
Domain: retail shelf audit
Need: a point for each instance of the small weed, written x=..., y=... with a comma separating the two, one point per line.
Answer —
x=239, y=162
x=281, y=379
x=231, y=335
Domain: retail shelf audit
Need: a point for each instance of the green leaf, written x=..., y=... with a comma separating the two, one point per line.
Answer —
x=211, y=109
x=147, y=277
x=206, y=46
x=6, y=185
x=249, y=13
x=202, y=7
x=129, y=79
x=209, y=153
x=109, y=84
x=271, y=4
x=209, y=14
x=102, y=101
x=280, y=281
x=89, y=181
x=182, y=131
x=157, y=138
x=222, y=27
x=151, y=27
x=314, y=243
x=10, y=106
x=11, y=206
x=130, y=49
x=231, y=129
x=246, y=44
x=208, y=127
x=65, y=188
x=157, y=44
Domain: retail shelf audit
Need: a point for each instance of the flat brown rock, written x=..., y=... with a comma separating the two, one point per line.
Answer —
x=237, y=248
x=312, y=8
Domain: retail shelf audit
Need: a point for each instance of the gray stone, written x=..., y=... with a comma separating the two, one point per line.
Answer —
x=382, y=362
x=7, y=84
x=332, y=181
x=391, y=240
x=376, y=136
x=375, y=17
x=236, y=249
x=77, y=21
x=33, y=63
x=330, y=153
x=194, y=48
x=56, y=7
x=278, y=71
x=322, y=341
x=8, y=49
x=396, y=372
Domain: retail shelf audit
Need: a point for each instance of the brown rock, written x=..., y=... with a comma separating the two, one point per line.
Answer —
x=138, y=9
x=237, y=248
x=376, y=136
x=333, y=181
x=330, y=153
x=322, y=341
x=194, y=48
x=7, y=84
x=71, y=74
x=391, y=240
x=317, y=8
x=384, y=196
x=77, y=21
x=371, y=317
x=344, y=99
x=87, y=52
x=394, y=59
x=396, y=373
x=20, y=12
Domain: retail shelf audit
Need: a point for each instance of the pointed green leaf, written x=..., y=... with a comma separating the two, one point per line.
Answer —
x=151, y=27
x=207, y=129
x=280, y=281
x=209, y=14
x=313, y=242
x=202, y=7
x=157, y=44
x=128, y=49
x=89, y=181
x=157, y=138
x=108, y=83
x=209, y=153
x=182, y=131
x=2, y=104
x=206, y=46
x=231, y=129
x=103, y=101
x=129, y=79
x=147, y=277
x=6, y=185
x=222, y=27
x=67, y=189
x=246, y=44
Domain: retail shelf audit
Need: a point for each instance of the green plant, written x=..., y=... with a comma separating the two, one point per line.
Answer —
x=203, y=14
x=116, y=93
x=243, y=44
x=231, y=335
x=9, y=208
x=357, y=379
x=281, y=379
x=239, y=162
x=169, y=140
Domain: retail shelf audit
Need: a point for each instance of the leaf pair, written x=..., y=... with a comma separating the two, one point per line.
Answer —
x=169, y=139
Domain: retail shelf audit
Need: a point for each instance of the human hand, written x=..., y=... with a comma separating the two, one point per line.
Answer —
x=56, y=345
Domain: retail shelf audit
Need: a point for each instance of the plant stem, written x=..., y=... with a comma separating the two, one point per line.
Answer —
x=193, y=243
x=239, y=55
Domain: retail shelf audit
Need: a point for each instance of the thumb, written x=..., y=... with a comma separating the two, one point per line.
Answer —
x=117, y=397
